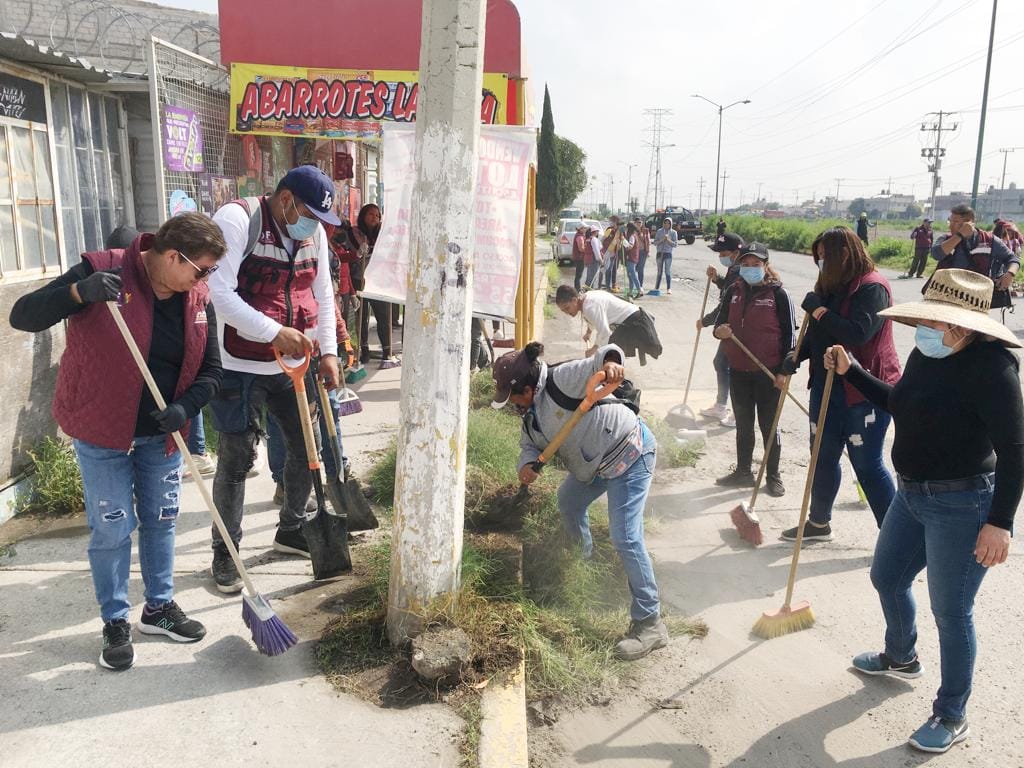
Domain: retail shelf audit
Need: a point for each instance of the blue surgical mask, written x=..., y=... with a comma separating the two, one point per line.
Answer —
x=752, y=275
x=726, y=261
x=930, y=342
x=304, y=228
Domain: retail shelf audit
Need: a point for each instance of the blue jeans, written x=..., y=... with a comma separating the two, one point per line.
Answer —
x=124, y=491
x=611, y=271
x=197, y=436
x=937, y=530
x=664, y=267
x=276, y=447
x=634, y=281
x=592, y=274
x=860, y=429
x=640, y=267
x=627, y=495
x=721, y=364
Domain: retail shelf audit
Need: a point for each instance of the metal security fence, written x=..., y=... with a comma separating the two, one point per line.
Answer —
x=181, y=79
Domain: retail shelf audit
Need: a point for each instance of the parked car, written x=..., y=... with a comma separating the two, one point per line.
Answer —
x=684, y=221
x=561, y=249
x=570, y=213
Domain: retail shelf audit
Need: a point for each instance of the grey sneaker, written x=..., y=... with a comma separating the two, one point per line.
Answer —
x=938, y=735
x=641, y=638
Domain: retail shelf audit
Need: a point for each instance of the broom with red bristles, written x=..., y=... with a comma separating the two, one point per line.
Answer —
x=792, y=618
x=270, y=635
x=743, y=516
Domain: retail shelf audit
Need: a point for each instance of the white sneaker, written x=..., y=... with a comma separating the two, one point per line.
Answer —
x=728, y=421
x=204, y=464
x=716, y=412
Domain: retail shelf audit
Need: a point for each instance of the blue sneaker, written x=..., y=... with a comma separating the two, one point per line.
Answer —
x=880, y=664
x=938, y=735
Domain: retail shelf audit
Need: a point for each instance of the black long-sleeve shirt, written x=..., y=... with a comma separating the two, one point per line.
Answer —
x=52, y=303
x=858, y=327
x=783, y=310
x=957, y=417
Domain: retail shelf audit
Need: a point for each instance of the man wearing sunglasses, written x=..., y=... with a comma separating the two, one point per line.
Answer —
x=273, y=293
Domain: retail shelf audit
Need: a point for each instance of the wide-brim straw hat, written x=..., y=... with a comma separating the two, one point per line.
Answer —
x=958, y=297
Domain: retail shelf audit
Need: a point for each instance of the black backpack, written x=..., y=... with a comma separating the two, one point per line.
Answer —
x=625, y=394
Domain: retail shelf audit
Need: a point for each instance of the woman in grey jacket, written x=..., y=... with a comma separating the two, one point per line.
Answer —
x=610, y=450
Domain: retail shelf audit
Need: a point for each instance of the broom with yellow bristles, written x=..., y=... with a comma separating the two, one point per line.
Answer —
x=792, y=618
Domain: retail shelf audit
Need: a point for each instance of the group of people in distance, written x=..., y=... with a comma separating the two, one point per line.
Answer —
x=598, y=256
x=958, y=457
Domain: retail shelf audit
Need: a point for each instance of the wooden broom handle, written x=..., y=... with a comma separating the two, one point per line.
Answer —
x=768, y=373
x=819, y=430
x=778, y=414
x=696, y=342
x=154, y=390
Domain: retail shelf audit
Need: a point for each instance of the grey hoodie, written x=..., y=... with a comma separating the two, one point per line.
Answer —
x=600, y=430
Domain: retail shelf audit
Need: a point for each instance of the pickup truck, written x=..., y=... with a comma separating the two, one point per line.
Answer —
x=686, y=224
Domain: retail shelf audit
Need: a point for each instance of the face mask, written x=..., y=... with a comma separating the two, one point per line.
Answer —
x=726, y=261
x=929, y=342
x=752, y=275
x=304, y=228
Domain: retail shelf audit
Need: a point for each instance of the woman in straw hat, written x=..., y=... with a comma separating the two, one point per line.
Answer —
x=959, y=456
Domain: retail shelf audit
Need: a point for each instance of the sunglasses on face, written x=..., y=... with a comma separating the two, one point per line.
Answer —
x=201, y=272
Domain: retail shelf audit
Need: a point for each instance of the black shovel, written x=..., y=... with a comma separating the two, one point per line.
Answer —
x=346, y=495
x=326, y=532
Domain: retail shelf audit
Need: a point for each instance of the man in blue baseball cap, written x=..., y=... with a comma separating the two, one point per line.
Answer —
x=273, y=291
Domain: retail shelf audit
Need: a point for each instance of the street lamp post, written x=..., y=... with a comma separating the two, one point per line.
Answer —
x=629, y=186
x=721, y=109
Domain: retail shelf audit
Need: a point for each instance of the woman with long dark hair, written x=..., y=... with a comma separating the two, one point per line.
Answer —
x=844, y=307
x=366, y=232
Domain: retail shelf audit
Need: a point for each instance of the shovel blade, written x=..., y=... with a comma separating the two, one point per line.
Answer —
x=347, y=498
x=327, y=537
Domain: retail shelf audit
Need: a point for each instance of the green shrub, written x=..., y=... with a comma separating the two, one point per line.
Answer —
x=57, y=486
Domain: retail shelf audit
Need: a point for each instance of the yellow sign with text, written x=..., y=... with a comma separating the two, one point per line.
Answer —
x=336, y=104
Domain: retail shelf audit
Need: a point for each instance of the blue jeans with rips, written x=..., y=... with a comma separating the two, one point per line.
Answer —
x=124, y=491
x=634, y=281
x=721, y=364
x=664, y=268
x=860, y=429
x=627, y=495
x=937, y=530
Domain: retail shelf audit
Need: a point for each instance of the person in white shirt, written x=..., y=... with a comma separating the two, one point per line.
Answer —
x=595, y=258
x=611, y=320
x=273, y=292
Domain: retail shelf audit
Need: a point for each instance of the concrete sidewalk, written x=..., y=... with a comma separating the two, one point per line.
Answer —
x=217, y=702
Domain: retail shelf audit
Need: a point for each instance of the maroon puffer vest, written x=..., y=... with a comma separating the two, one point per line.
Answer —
x=754, y=320
x=98, y=384
x=878, y=355
x=273, y=281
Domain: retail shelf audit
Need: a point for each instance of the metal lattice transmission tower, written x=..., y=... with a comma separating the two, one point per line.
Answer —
x=654, y=186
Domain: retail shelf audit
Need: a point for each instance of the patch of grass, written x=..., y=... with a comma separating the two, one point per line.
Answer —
x=549, y=311
x=565, y=613
x=481, y=389
x=671, y=453
x=554, y=273
x=892, y=253
x=57, y=485
x=469, y=709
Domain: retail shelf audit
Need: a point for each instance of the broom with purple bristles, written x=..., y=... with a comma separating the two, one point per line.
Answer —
x=269, y=633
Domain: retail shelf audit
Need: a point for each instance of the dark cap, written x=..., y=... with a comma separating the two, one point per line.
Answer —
x=727, y=241
x=312, y=187
x=754, y=249
x=508, y=370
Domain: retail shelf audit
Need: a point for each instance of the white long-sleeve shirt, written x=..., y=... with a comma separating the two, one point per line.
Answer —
x=595, y=248
x=602, y=310
x=233, y=221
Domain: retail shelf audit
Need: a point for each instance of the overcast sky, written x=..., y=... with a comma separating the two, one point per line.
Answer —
x=834, y=93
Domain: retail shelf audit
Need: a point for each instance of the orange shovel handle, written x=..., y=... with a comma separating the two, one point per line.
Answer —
x=296, y=373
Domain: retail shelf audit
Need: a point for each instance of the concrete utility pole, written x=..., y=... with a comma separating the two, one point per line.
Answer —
x=700, y=195
x=838, y=182
x=430, y=476
x=1002, y=181
x=984, y=109
x=725, y=175
x=936, y=153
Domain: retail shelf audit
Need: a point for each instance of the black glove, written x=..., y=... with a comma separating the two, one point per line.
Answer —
x=99, y=286
x=789, y=365
x=811, y=302
x=171, y=419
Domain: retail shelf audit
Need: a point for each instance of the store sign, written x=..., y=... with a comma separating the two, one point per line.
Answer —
x=183, y=140
x=336, y=104
x=22, y=99
x=505, y=156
